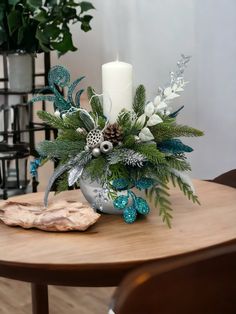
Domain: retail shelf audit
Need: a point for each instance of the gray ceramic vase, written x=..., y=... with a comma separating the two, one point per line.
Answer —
x=89, y=190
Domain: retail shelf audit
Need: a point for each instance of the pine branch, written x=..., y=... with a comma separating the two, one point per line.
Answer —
x=160, y=196
x=139, y=100
x=118, y=171
x=95, y=102
x=52, y=120
x=95, y=169
x=129, y=141
x=73, y=121
x=164, y=131
x=151, y=152
x=160, y=172
x=59, y=149
x=185, y=188
x=178, y=164
x=71, y=135
x=124, y=121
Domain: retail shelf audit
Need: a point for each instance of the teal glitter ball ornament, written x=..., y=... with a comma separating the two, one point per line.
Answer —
x=120, y=184
x=141, y=206
x=121, y=201
x=144, y=183
x=129, y=215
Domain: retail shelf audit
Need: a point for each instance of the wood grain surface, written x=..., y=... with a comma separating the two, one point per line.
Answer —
x=103, y=254
x=111, y=240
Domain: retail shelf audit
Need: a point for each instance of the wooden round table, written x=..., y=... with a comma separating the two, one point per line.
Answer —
x=107, y=251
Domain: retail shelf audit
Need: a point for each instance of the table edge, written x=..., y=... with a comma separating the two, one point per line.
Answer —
x=89, y=275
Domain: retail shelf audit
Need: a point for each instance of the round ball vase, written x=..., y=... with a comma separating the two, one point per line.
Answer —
x=90, y=190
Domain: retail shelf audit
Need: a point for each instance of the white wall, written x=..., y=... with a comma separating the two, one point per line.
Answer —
x=151, y=34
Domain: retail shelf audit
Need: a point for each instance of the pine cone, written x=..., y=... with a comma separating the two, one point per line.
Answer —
x=113, y=133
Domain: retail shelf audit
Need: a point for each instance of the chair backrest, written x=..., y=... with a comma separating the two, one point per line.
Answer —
x=227, y=178
x=202, y=282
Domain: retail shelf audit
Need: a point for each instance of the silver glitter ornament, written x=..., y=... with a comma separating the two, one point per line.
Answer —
x=96, y=152
x=106, y=147
x=94, y=138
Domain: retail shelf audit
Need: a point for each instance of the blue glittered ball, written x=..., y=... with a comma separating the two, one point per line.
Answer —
x=141, y=206
x=144, y=183
x=121, y=201
x=120, y=184
x=129, y=215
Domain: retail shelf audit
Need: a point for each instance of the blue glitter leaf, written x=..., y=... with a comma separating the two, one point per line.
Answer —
x=141, y=206
x=121, y=201
x=43, y=97
x=71, y=89
x=175, y=113
x=120, y=184
x=59, y=75
x=144, y=183
x=77, y=98
x=129, y=215
x=174, y=146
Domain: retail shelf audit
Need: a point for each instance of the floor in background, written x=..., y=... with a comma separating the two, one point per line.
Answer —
x=15, y=298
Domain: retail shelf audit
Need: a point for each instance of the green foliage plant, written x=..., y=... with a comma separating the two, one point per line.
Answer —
x=35, y=26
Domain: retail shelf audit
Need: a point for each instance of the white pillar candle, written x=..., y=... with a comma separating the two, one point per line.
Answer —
x=117, y=88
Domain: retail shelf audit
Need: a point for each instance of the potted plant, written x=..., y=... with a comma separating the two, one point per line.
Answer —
x=28, y=27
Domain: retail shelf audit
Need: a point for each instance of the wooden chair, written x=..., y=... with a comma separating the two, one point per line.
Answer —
x=227, y=178
x=202, y=282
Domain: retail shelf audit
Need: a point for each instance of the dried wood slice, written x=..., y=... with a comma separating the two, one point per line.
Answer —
x=59, y=216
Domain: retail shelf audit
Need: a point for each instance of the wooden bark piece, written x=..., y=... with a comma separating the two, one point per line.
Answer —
x=60, y=216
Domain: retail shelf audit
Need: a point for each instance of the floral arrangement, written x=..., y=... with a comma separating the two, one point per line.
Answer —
x=140, y=150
